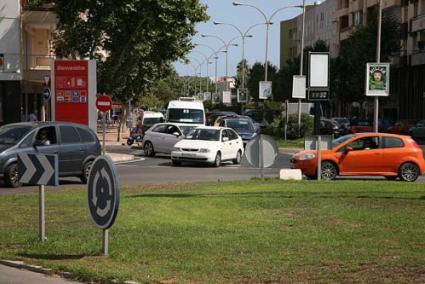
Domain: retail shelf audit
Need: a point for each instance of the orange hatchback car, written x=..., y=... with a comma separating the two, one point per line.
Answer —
x=367, y=154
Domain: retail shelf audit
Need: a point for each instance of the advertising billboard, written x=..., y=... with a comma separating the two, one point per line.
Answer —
x=74, y=92
x=378, y=79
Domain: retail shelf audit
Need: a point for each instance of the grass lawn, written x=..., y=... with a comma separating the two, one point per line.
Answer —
x=250, y=231
x=297, y=143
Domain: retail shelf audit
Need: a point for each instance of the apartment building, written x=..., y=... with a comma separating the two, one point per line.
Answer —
x=26, y=55
x=319, y=25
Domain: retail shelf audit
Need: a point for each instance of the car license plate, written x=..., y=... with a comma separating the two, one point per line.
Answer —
x=189, y=155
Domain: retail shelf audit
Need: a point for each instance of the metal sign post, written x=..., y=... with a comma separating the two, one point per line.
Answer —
x=103, y=196
x=319, y=158
x=104, y=104
x=104, y=133
x=41, y=170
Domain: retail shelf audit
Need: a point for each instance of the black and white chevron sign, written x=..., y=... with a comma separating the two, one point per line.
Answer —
x=38, y=169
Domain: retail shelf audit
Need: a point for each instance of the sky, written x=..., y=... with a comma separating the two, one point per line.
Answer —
x=243, y=17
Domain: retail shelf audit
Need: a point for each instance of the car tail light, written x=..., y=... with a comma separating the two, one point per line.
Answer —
x=413, y=142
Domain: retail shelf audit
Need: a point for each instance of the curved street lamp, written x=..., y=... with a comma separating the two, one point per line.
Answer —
x=268, y=22
x=226, y=49
x=207, y=61
x=214, y=56
x=244, y=35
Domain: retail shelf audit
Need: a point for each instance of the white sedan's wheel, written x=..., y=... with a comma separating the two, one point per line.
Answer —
x=238, y=158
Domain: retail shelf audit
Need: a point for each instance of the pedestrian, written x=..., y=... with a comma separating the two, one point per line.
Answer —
x=33, y=117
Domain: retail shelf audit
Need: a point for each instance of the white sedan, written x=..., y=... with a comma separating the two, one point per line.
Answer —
x=209, y=145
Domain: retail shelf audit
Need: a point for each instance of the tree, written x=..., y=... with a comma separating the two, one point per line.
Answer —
x=257, y=75
x=359, y=49
x=292, y=67
x=133, y=41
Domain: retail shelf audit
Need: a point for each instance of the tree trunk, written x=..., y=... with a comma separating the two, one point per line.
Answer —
x=122, y=124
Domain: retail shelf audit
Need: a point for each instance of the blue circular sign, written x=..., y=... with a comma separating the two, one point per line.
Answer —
x=103, y=192
x=46, y=93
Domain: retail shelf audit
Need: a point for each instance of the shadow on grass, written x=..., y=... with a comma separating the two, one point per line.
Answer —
x=275, y=194
x=53, y=256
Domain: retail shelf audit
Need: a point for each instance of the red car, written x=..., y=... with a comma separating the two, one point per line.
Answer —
x=361, y=127
x=401, y=127
x=366, y=154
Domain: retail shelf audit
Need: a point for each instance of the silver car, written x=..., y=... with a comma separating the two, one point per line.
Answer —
x=76, y=145
x=162, y=137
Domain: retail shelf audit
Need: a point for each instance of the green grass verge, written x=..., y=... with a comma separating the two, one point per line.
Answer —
x=250, y=231
x=297, y=143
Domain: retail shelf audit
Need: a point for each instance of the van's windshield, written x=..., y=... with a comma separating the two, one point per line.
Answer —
x=190, y=116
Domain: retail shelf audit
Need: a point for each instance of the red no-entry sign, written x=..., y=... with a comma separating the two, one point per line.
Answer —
x=104, y=103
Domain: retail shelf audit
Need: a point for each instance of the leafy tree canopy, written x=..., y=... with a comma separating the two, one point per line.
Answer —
x=134, y=41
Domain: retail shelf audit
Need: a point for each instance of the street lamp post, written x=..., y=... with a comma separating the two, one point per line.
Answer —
x=378, y=60
x=207, y=61
x=226, y=51
x=244, y=35
x=200, y=73
x=301, y=63
x=214, y=53
x=268, y=22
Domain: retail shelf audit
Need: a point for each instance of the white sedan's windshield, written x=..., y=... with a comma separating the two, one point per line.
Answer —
x=204, y=134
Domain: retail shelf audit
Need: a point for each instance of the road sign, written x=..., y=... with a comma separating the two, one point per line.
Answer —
x=38, y=169
x=242, y=95
x=263, y=148
x=46, y=93
x=41, y=170
x=265, y=91
x=103, y=192
x=104, y=103
x=226, y=97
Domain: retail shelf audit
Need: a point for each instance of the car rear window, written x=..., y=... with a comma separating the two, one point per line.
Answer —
x=69, y=135
x=392, y=142
x=85, y=135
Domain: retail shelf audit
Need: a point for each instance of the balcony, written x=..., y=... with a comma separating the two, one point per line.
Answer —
x=417, y=24
x=345, y=33
x=385, y=3
x=341, y=12
x=356, y=6
x=35, y=67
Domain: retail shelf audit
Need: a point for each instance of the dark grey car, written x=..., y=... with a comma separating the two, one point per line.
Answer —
x=76, y=146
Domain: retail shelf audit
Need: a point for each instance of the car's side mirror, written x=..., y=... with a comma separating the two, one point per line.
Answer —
x=348, y=149
x=176, y=134
x=38, y=143
x=225, y=139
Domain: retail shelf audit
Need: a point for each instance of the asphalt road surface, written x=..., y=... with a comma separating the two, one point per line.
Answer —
x=158, y=170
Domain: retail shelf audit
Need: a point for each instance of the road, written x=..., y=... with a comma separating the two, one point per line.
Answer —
x=157, y=170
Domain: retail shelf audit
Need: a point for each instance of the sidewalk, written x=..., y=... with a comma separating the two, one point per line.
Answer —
x=12, y=275
x=111, y=136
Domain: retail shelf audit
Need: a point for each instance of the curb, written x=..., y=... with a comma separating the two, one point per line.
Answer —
x=47, y=271
x=120, y=158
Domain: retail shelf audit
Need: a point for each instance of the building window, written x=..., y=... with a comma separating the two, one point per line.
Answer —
x=358, y=18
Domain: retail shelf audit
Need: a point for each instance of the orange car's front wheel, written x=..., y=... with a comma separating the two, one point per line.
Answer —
x=329, y=171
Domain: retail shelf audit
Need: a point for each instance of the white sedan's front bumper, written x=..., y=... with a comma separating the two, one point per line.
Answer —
x=185, y=156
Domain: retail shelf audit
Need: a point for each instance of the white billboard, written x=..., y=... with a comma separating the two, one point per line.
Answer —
x=299, y=87
x=226, y=97
x=265, y=91
x=318, y=70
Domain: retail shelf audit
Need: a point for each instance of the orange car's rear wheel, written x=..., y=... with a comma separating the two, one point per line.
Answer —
x=408, y=172
x=329, y=171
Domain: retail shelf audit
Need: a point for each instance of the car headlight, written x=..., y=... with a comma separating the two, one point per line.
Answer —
x=307, y=157
x=176, y=149
x=204, y=150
